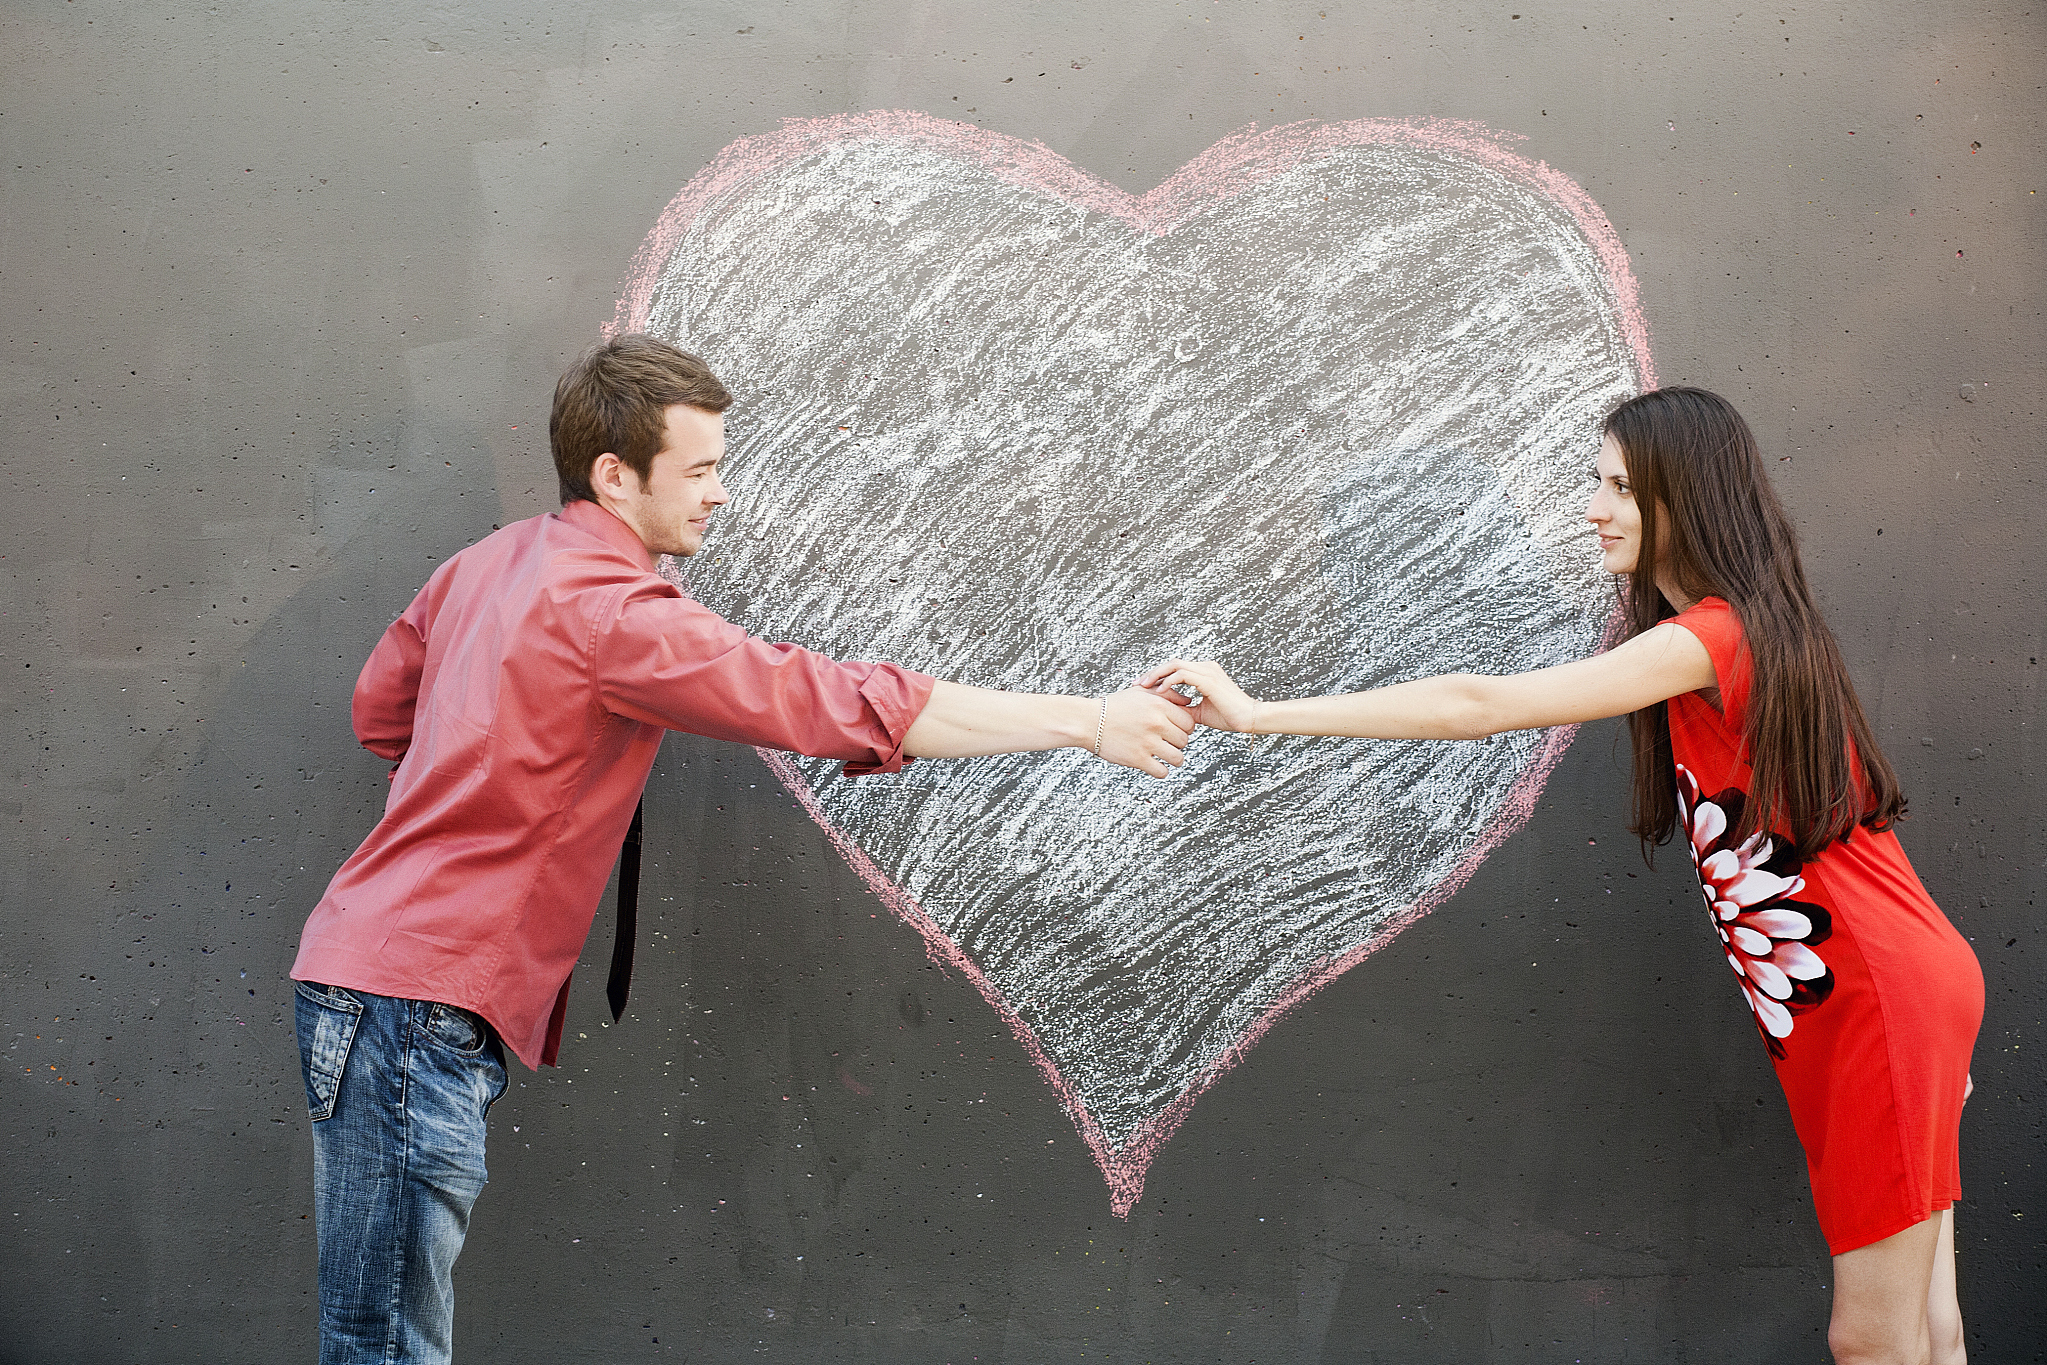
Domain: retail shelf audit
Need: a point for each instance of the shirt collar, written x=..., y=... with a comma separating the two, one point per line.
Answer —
x=588, y=517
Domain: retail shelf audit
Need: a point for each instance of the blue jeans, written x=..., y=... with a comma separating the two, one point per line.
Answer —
x=398, y=1091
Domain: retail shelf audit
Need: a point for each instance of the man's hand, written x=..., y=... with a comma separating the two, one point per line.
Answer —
x=1222, y=706
x=1146, y=730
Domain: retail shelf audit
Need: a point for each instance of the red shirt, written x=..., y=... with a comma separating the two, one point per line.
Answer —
x=523, y=695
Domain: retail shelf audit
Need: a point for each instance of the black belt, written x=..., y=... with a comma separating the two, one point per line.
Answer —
x=628, y=911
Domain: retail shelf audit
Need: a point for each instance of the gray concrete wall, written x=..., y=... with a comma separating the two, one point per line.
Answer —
x=286, y=289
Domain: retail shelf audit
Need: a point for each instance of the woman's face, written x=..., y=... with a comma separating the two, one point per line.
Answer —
x=1613, y=512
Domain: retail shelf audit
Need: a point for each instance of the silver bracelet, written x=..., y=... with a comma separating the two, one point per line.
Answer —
x=1101, y=723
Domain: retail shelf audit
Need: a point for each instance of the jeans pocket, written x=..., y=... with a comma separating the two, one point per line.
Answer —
x=457, y=1028
x=326, y=1018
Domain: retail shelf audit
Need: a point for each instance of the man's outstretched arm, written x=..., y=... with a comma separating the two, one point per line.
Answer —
x=1138, y=729
x=666, y=659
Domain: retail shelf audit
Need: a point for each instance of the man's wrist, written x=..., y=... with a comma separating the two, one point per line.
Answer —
x=1076, y=721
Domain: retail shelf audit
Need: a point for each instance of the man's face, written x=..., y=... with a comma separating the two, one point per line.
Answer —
x=672, y=508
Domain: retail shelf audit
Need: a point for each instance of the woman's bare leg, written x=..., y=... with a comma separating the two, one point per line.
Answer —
x=1881, y=1293
x=1943, y=1309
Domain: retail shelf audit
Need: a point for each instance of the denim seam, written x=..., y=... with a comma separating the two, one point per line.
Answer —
x=402, y=1231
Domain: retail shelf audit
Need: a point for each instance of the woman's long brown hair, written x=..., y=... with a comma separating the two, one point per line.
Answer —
x=1712, y=525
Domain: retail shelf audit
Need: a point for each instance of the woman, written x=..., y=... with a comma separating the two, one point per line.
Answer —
x=1749, y=742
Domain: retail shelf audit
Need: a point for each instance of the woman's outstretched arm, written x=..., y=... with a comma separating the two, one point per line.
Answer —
x=1654, y=666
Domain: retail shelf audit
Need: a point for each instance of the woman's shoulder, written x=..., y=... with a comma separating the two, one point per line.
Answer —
x=1717, y=626
x=1707, y=608
x=1716, y=623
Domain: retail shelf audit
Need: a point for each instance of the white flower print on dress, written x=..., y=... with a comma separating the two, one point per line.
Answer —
x=1766, y=935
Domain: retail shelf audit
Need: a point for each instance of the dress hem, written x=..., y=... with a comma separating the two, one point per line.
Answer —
x=1855, y=1241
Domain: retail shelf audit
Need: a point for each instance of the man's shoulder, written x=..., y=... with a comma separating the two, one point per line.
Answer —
x=553, y=544
x=537, y=560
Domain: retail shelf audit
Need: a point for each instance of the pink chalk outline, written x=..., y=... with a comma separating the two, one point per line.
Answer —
x=1237, y=163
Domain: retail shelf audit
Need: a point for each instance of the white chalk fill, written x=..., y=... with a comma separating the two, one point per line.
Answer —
x=1332, y=424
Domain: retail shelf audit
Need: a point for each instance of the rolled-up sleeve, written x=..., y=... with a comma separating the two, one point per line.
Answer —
x=387, y=692
x=665, y=659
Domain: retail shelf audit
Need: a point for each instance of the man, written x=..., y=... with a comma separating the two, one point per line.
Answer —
x=522, y=696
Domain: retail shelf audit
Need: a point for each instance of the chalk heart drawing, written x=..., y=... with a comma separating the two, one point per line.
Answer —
x=1323, y=406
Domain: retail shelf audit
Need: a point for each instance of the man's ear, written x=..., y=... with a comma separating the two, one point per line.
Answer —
x=608, y=475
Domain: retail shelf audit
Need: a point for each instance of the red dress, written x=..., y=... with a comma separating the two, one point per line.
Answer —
x=1867, y=997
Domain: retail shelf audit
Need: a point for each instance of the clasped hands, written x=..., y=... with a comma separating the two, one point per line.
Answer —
x=1148, y=724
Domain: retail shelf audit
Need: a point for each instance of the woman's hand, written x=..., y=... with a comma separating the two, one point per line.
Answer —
x=1223, y=704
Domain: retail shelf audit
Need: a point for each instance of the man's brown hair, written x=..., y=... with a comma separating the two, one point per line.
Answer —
x=615, y=398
